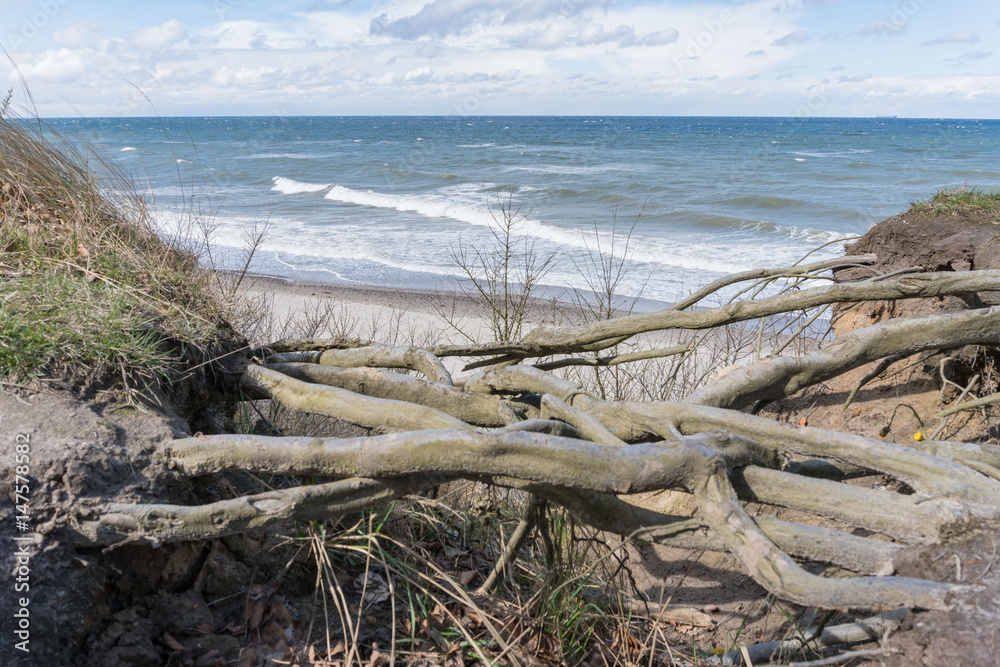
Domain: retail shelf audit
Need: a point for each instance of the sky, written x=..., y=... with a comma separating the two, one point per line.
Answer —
x=911, y=58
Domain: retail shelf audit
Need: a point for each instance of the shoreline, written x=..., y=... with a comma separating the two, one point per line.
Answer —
x=412, y=309
x=425, y=300
x=409, y=298
x=300, y=308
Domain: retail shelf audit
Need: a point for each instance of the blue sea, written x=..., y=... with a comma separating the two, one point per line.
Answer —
x=388, y=200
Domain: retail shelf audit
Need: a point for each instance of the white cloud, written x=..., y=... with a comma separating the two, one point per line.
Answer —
x=55, y=66
x=442, y=18
x=76, y=35
x=962, y=37
x=430, y=50
x=157, y=37
x=796, y=37
x=570, y=33
x=660, y=37
x=243, y=76
x=967, y=57
x=253, y=35
x=885, y=28
x=422, y=75
x=550, y=56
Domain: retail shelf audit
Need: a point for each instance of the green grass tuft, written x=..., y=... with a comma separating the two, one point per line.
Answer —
x=964, y=201
x=89, y=292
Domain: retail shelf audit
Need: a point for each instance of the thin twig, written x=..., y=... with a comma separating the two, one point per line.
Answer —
x=509, y=554
x=878, y=370
x=978, y=403
x=965, y=392
x=837, y=659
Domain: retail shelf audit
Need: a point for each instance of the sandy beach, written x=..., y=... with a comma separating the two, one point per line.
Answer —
x=396, y=316
x=305, y=309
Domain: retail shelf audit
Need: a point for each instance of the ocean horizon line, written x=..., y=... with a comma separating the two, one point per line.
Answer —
x=876, y=116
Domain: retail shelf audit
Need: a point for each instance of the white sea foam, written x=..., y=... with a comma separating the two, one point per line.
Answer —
x=287, y=186
x=443, y=205
x=571, y=170
x=129, y=148
x=287, y=156
x=849, y=152
x=428, y=205
x=297, y=245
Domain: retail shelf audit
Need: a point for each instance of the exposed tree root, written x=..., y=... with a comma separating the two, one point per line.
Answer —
x=121, y=522
x=553, y=340
x=523, y=427
x=346, y=405
x=777, y=377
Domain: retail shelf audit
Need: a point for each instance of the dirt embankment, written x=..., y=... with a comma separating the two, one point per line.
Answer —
x=138, y=604
x=904, y=400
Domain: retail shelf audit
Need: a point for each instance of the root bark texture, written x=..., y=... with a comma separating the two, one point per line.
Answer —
x=526, y=427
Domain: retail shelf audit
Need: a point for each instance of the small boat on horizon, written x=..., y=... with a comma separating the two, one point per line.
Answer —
x=884, y=116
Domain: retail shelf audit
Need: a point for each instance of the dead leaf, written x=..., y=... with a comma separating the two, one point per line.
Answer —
x=211, y=659
x=539, y=643
x=248, y=656
x=281, y=613
x=172, y=643
x=454, y=657
x=433, y=635
x=375, y=588
x=438, y=616
x=275, y=636
x=465, y=577
x=686, y=616
x=377, y=659
x=254, y=613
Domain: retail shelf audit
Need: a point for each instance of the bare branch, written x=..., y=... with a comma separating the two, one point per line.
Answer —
x=777, y=377
x=346, y=405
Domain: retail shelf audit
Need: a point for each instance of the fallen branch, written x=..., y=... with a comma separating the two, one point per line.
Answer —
x=978, y=403
x=868, y=630
x=554, y=340
x=388, y=356
x=346, y=405
x=471, y=408
x=756, y=274
x=777, y=377
x=612, y=360
x=156, y=523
